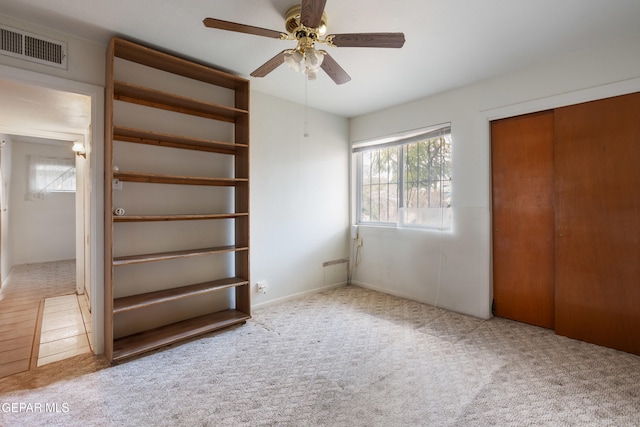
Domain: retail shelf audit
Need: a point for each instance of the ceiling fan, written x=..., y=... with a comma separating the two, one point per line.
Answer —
x=307, y=24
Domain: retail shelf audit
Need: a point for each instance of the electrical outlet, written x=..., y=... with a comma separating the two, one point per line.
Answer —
x=262, y=287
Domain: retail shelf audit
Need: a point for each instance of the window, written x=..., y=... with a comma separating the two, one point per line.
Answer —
x=405, y=180
x=50, y=174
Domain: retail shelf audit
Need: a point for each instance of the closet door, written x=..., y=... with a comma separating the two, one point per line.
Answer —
x=523, y=218
x=597, y=161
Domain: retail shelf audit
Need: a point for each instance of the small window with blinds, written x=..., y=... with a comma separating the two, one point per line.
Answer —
x=50, y=175
x=405, y=180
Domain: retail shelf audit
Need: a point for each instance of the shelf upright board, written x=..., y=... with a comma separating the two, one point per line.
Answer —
x=121, y=346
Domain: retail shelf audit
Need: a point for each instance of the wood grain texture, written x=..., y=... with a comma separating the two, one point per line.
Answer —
x=134, y=52
x=523, y=218
x=311, y=12
x=175, y=179
x=139, y=136
x=240, y=28
x=144, y=300
x=147, y=97
x=155, y=338
x=269, y=66
x=598, y=222
x=381, y=40
x=335, y=71
x=185, y=217
x=21, y=305
x=239, y=148
x=114, y=45
x=165, y=256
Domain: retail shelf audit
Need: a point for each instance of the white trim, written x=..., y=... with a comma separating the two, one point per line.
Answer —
x=42, y=133
x=562, y=100
x=401, y=138
x=95, y=156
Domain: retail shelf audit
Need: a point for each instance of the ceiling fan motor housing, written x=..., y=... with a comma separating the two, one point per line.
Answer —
x=297, y=29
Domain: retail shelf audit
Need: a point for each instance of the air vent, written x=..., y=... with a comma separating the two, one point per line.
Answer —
x=32, y=47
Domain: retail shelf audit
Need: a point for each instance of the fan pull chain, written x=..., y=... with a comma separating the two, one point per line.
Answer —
x=306, y=107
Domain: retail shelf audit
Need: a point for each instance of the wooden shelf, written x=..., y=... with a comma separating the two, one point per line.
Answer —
x=190, y=217
x=230, y=117
x=155, y=338
x=174, y=179
x=138, y=136
x=162, y=61
x=140, y=95
x=133, y=302
x=165, y=256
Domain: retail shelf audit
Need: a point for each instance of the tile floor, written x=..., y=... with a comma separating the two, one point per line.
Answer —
x=66, y=328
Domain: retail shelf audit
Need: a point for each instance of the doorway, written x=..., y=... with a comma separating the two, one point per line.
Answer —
x=88, y=130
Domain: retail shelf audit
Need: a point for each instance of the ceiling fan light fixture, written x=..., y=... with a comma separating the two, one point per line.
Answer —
x=312, y=62
x=311, y=74
x=294, y=60
x=307, y=61
x=313, y=58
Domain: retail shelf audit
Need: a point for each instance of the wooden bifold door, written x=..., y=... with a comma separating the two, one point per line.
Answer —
x=566, y=220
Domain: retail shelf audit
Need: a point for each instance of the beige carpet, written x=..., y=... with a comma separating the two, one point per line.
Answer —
x=346, y=357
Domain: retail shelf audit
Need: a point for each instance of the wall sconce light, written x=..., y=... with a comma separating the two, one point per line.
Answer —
x=78, y=148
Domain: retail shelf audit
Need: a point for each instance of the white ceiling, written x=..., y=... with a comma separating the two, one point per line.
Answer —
x=40, y=112
x=449, y=43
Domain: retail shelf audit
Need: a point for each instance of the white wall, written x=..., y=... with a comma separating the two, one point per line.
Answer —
x=5, y=181
x=453, y=270
x=42, y=230
x=86, y=60
x=299, y=198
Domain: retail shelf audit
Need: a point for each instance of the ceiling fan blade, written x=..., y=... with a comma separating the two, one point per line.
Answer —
x=241, y=28
x=331, y=67
x=393, y=40
x=270, y=65
x=311, y=12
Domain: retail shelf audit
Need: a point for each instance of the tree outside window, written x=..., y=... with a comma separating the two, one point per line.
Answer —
x=407, y=182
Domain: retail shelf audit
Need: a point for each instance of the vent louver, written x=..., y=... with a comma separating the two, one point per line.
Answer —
x=32, y=47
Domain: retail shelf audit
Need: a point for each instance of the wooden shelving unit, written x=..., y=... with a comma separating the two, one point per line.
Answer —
x=148, y=218
x=172, y=179
x=139, y=136
x=179, y=104
x=143, y=300
x=152, y=339
x=165, y=256
x=129, y=302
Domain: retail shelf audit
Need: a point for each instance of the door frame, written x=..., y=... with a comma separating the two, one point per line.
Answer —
x=94, y=175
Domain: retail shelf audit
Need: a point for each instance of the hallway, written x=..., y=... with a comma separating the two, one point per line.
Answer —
x=22, y=307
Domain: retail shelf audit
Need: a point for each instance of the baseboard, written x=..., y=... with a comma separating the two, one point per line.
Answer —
x=389, y=292
x=412, y=298
x=297, y=296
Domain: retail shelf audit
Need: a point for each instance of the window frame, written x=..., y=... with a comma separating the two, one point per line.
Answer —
x=399, y=141
x=34, y=161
